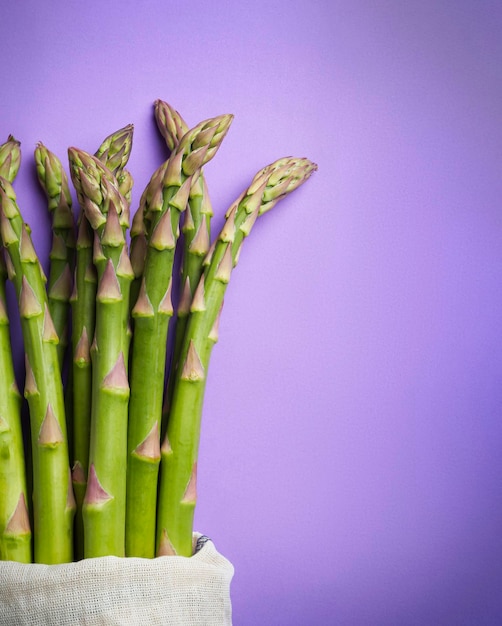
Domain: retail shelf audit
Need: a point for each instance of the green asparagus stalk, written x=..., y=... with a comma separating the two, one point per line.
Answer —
x=178, y=473
x=151, y=313
x=83, y=304
x=53, y=500
x=54, y=182
x=196, y=235
x=104, y=503
x=114, y=153
x=15, y=527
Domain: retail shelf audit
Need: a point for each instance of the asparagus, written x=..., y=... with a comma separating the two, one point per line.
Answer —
x=178, y=472
x=53, y=501
x=15, y=527
x=114, y=153
x=151, y=313
x=104, y=503
x=196, y=235
x=83, y=303
x=54, y=182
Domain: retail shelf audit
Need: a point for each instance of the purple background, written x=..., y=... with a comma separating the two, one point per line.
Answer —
x=350, y=464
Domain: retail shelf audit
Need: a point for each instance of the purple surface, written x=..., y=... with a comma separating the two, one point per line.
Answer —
x=351, y=464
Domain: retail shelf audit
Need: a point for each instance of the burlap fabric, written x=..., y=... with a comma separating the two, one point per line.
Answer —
x=167, y=590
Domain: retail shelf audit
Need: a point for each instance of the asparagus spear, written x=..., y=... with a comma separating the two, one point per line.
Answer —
x=15, y=527
x=54, y=182
x=83, y=303
x=196, y=235
x=114, y=153
x=104, y=504
x=178, y=473
x=151, y=314
x=53, y=500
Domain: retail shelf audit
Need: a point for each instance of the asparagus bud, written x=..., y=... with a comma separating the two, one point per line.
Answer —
x=170, y=124
x=10, y=158
x=115, y=149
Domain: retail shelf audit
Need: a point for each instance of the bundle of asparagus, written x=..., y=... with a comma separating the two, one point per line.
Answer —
x=95, y=336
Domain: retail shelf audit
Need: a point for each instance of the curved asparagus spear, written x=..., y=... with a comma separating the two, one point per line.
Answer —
x=53, y=500
x=104, y=504
x=54, y=182
x=114, y=153
x=15, y=528
x=196, y=235
x=151, y=314
x=178, y=474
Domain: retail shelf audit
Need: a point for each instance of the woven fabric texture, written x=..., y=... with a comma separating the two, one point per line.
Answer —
x=106, y=591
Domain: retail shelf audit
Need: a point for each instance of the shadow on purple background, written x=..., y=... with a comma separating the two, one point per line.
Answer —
x=351, y=464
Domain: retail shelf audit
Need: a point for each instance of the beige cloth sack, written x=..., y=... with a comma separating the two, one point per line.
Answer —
x=167, y=590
